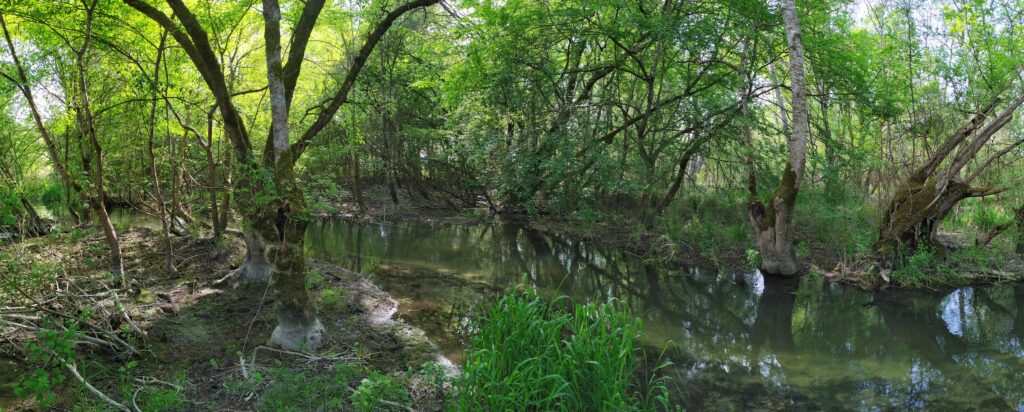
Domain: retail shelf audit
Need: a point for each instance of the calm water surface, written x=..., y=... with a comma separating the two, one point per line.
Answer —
x=738, y=341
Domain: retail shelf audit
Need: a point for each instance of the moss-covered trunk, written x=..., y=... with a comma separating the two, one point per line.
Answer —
x=917, y=208
x=926, y=197
x=773, y=228
x=275, y=217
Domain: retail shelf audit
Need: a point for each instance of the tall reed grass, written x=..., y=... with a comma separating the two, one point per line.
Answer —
x=530, y=355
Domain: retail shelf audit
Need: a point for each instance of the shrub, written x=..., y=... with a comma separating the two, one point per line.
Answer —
x=528, y=355
x=753, y=257
x=54, y=348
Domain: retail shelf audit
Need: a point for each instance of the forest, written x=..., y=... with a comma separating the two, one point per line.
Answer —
x=576, y=205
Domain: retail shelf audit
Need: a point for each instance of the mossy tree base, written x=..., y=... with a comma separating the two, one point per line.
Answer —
x=275, y=215
x=915, y=212
x=256, y=268
x=926, y=197
x=298, y=337
x=773, y=228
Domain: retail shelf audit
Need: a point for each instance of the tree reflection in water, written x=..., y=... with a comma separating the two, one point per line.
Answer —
x=737, y=341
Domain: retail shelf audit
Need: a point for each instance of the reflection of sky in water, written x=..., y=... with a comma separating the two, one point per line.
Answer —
x=952, y=305
x=738, y=341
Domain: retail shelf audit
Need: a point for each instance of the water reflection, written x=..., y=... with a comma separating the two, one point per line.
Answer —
x=738, y=341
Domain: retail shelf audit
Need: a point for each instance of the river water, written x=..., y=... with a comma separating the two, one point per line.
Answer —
x=737, y=341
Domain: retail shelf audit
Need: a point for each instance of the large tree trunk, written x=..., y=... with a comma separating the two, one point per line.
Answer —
x=280, y=224
x=925, y=198
x=773, y=224
x=773, y=228
x=276, y=217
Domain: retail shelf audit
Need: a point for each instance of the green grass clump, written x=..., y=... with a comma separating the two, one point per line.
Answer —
x=332, y=298
x=295, y=390
x=529, y=355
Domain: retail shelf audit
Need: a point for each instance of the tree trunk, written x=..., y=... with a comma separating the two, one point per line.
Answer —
x=773, y=224
x=88, y=128
x=276, y=217
x=773, y=228
x=677, y=183
x=225, y=205
x=926, y=197
x=280, y=224
x=165, y=226
x=30, y=224
x=1018, y=215
x=211, y=178
x=357, y=188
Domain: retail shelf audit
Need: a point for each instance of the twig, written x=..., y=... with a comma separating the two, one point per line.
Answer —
x=135, y=396
x=148, y=381
x=311, y=358
x=74, y=372
x=85, y=339
x=135, y=327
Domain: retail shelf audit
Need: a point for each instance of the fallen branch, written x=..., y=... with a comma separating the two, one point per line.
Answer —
x=308, y=357
x=99, y=394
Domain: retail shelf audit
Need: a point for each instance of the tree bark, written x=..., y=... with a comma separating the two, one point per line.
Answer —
x=357, y=184
x=1018, y=215
x=924, y=199
x=773, y=223
x=211, y=179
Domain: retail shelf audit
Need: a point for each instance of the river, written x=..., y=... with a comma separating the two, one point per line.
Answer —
x=737, y=341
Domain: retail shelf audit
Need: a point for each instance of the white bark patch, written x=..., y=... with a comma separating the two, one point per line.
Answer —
x=275, y=78
x=801, y=127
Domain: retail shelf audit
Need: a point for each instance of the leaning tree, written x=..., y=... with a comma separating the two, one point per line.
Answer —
x=925, y=197
x=267, y=193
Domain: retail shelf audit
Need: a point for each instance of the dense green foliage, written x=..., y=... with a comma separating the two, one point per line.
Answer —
x=661, y=123
x=594, y=110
